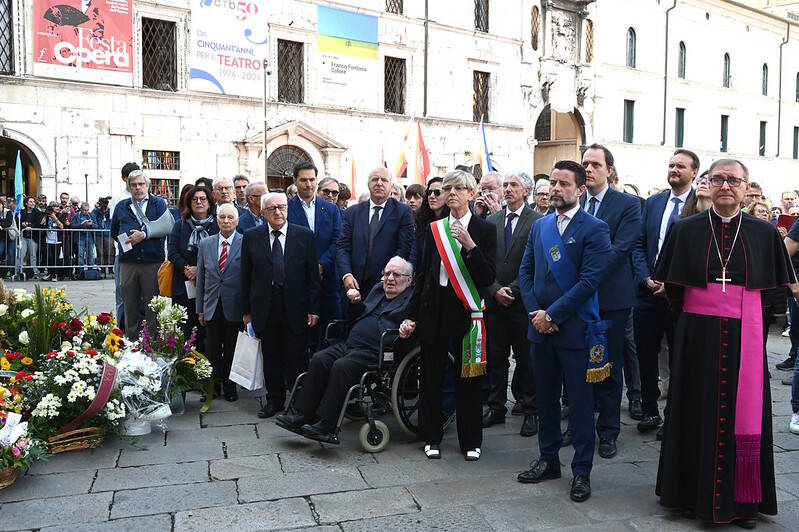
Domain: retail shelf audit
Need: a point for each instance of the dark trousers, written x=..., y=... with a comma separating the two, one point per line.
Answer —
x=467, y=396
x=220, y=344
x=549, y=364
x=653, y=319
x=632, y=371
x=506, y=329
x=331, y=373
x=793, y=328
x=607, y=394
x=284, y=352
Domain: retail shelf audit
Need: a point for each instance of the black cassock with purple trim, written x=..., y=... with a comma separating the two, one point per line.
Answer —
x=717, y=457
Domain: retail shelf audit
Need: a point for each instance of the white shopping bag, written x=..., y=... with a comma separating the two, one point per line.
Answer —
x=247, y=368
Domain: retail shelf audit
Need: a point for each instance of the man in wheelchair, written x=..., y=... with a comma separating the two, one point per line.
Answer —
x=333, y=370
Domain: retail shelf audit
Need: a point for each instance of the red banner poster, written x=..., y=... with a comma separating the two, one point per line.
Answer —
x=84, y=40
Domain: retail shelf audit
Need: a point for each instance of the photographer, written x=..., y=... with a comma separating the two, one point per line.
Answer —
x=52, y=243
x=102, y=240
x=489, y=200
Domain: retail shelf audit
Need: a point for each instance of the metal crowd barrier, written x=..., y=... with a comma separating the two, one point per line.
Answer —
x=57, y=254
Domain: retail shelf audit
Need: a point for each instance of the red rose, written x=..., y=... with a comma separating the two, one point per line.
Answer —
x=51, y=354
x=71, y=353
x=117, y=332
x=11, y=356
x=69, y=332
x=76, y=325
x=104, y=318
x=91, y=352
x=62, y=325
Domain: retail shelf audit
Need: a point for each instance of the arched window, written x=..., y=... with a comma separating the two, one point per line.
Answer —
x=630, y=48
x=535, y=25
x=765, y=80
x=589, y=40
x=727, y=75
x=681, y=61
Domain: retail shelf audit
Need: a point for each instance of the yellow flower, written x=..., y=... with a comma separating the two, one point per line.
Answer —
x=12, y=380
x=27, y=361
x=5, y=364
x=2, y=332
x=189, y=360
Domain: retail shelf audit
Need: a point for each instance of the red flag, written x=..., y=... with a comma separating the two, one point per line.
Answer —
x=422, y=162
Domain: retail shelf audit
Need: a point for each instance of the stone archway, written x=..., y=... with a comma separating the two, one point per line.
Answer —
x=558, y=136
x=281, y=165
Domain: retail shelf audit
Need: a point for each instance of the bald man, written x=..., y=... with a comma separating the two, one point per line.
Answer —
x=372, y=232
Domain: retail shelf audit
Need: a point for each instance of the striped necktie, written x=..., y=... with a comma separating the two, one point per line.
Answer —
x=223, y=256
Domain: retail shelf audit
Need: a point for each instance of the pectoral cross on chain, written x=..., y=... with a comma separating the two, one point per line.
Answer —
x=724, y=280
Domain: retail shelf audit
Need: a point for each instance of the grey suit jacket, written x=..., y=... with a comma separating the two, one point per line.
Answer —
x=212, y=283
x=507, y=261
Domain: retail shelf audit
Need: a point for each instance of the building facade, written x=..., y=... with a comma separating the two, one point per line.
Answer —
x=342, y=81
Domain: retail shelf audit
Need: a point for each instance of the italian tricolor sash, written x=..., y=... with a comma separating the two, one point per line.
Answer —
x=474, y=342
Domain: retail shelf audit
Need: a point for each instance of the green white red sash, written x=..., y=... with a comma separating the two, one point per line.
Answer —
x=474, y=342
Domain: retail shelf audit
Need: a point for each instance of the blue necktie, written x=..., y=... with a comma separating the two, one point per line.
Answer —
x=592, y=206
x=675, y=213
x=509, y=229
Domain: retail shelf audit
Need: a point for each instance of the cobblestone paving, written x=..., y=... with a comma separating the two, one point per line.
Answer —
x=229, y=470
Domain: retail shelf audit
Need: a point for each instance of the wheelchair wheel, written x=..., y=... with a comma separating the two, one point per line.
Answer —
x=374, y=441
x=405, y=392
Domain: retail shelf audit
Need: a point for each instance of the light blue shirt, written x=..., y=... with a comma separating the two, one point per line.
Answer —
x=599, y=197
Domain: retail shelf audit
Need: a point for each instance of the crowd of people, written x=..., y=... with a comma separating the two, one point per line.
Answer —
x=55, y=240
x=590, y=288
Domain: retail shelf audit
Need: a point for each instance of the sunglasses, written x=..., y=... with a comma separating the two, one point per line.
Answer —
x=434, y=192
x=328, y=192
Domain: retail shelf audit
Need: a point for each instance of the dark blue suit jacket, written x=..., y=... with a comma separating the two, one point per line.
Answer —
x=394, y=237
x=646, y=250
x=587, y=243
x=327, y=229
x=246, y=221
x=622, y=213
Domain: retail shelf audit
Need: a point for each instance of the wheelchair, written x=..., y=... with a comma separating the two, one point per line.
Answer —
x=390, y=386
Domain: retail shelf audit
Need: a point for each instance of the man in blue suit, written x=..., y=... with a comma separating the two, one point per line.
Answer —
x=622, y=213
x=252, y=216
x=324, y=219
x=564, y=261
x=653, y=318
x=371, y=233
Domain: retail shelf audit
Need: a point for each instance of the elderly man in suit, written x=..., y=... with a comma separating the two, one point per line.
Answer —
x=567, y=252
x=335, y=369
x=505, y=317
x=219, y=295
x=324, y=219
x=622, y=213
x=252, y=216
x=280, y=295
x=372, y=232
x=653, y=319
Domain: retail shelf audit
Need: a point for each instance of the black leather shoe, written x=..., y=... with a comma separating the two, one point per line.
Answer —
x=518, y=409
x=539, y=471
x=607, y=448
x=293, y=423
x=659, y=434
x=492, y=417
x=269, y=410
x=529, y=426
x=748, y=524
x=636, y=410
x=566, y=438
x=581, y=488
x=321, y=431
x=231, y=396
x=786, y=365
x=649, y=423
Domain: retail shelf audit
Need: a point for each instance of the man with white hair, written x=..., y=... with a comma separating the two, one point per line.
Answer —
x=224, y=192
x=252, y=216
x=489, y=200
x=280, y=295
x=334, y=370
x=138, y=264
x=541, y=196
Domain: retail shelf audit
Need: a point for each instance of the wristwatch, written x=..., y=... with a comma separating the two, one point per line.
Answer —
x=547, y=317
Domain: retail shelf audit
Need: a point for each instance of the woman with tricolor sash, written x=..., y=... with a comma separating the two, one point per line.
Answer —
x=446, y=312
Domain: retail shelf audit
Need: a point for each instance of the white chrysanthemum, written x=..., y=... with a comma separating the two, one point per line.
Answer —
x=23, y=338
x=3, y=309
x=27, y=313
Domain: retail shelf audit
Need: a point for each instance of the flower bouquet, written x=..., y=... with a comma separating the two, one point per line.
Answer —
x=17, y=449
x=142, y=381
x=190, y=369
x=72, y=401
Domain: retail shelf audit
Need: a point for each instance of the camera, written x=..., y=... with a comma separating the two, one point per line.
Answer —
x=102, y=203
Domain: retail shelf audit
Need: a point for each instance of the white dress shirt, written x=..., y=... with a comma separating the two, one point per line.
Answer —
x=282, y=238
x=310, y=211
x=664, y=221
x=372, y=206
x=599, y=197
x=515, y=221
x=566, y=217
x=443, y=279
x=229, y=241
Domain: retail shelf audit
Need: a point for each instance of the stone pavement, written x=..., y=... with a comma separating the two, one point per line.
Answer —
x=229, y=470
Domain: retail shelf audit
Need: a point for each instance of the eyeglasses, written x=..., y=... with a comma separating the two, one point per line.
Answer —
x=456, y=188
x=434, y=192
x=328, y=192
x=718, y=181
x=395, y=274
x=542, y=194
x=274, y=208
x=199, y=199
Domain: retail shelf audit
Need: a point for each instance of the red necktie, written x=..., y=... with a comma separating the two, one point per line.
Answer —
x=223, y=256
